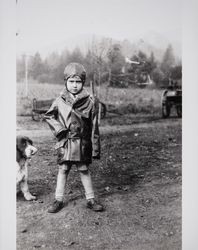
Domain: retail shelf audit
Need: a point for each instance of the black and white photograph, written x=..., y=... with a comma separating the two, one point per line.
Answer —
x=99, y=124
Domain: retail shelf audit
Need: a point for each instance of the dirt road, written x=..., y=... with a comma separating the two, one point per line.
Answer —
x=138, y=179
x=37, y=129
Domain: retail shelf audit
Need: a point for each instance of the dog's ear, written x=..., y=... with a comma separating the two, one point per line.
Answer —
x=18, y=142
x=29, y=140
x=21, y=142
x=18, y=138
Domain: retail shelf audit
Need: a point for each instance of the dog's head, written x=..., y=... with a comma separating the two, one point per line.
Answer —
x=24, y=147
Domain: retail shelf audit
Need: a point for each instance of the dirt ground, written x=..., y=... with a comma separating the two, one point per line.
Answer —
x=138, y=179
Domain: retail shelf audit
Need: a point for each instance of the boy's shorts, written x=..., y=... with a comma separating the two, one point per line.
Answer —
x=79, y=165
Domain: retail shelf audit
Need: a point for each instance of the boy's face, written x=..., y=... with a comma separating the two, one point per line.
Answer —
x=74, y=85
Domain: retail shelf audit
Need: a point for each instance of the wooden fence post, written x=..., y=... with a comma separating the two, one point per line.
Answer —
x=92, y=87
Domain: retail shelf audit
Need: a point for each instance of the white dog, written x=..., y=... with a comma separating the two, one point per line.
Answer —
x=25, y=150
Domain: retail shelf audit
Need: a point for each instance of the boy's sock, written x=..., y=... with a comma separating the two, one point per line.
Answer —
x=87, y=184
x=61, y=182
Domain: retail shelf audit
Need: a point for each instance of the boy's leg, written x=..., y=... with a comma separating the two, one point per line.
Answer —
x=61, y=181
x=87, y=184
x=89, y=192
x=60, y=188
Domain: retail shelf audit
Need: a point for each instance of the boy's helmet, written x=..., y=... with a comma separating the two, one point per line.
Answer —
x=75, y=69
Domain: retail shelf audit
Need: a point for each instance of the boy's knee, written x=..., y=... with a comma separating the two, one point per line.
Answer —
x=84, y=172
x=82, y=167
x=64, y=169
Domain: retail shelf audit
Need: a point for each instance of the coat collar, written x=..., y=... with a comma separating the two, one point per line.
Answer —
x=69, y=99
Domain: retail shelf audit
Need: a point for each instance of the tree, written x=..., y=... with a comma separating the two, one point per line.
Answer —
x=96, y=59
x=36, y=66
x=142, y=56
x=75, y=56
x=152, y=64
x=157, y=76
x=56, y=64
x=20, y=68
x=90, y=65
x=52, y=60
x=168, y=61
x=58, y=72
x=176, y=72
x=116, y=59
x=116, y=62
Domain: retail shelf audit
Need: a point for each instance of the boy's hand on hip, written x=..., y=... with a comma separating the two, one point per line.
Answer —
x=61, y=135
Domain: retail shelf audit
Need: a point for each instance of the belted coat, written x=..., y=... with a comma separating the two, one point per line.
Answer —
x=75, y=119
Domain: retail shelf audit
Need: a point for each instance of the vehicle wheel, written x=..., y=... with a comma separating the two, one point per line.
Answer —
x=179, y=111
x=165, y=106
x=165, y=111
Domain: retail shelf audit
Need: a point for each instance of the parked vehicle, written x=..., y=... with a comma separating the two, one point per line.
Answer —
x=172, y=98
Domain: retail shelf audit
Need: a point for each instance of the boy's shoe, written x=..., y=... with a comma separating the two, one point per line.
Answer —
x=55, y=207
x=94, y=205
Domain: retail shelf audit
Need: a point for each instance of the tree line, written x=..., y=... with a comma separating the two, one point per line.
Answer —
x=105, y=64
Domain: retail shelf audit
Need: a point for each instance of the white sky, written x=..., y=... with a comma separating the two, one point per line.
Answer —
x=41, y=23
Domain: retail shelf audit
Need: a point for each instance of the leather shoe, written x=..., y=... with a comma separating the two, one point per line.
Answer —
x=94, y=205
x=55, y=207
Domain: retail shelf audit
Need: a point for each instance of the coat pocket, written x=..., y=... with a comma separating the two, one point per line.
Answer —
x=74, y=149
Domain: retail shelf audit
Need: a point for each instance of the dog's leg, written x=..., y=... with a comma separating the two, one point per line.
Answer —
x=24, y=187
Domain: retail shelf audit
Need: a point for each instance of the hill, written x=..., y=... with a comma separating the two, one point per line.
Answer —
x=147, y=43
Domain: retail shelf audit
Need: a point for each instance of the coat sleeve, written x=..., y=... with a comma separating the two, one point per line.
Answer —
x=51, y=117
x=95, y=132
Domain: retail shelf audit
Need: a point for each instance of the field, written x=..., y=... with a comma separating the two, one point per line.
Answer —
x=133, y=100
x=138, y=179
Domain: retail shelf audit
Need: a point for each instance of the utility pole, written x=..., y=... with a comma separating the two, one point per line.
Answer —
x=26, y=58
x=26, y=75
x=108, y=84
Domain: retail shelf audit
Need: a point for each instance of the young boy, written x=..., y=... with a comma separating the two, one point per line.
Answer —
x=72, y=118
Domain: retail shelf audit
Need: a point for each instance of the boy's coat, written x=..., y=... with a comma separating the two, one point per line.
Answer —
x=78, y=119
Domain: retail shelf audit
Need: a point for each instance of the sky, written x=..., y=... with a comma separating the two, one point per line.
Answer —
x=41, y=23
